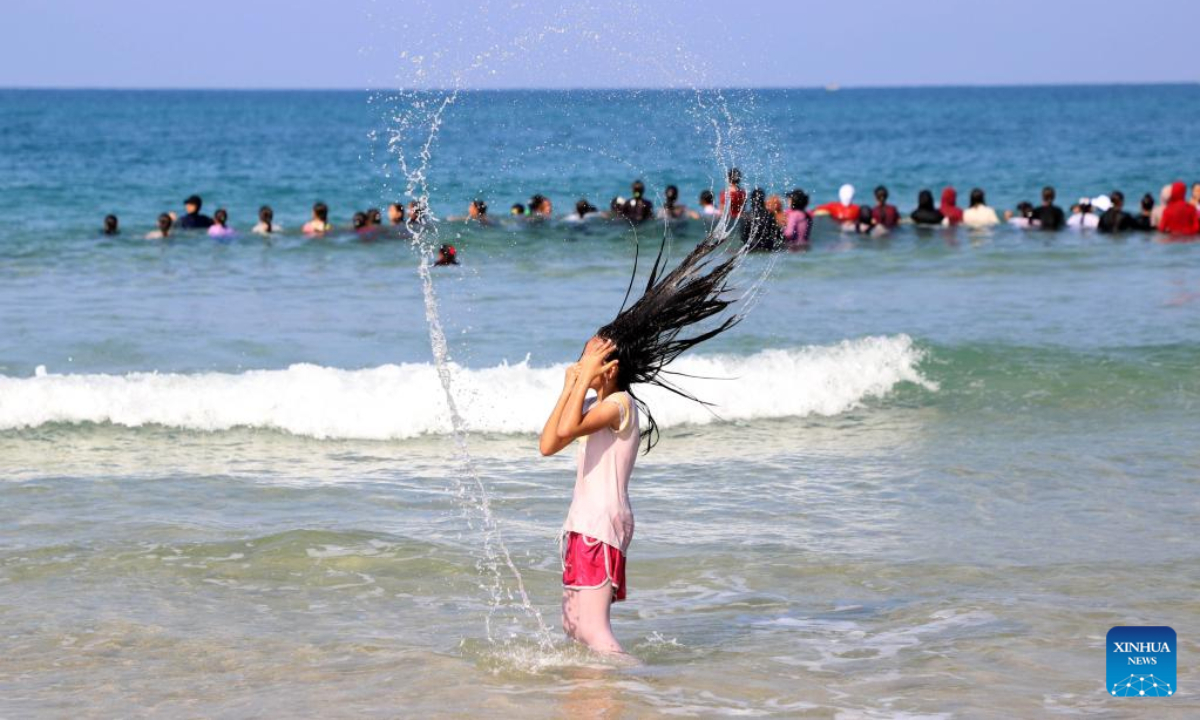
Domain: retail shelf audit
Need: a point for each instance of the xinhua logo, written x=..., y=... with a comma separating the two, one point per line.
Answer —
x=1141, y=661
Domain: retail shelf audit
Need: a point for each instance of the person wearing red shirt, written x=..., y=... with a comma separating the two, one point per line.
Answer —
x=1179, y=217
x=734, y=194
x=844, y=210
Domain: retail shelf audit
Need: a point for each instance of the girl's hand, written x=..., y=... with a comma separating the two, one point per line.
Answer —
x=592, y=363
x=571, y=376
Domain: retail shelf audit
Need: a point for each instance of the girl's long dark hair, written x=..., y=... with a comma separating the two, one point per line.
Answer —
x=648, y=333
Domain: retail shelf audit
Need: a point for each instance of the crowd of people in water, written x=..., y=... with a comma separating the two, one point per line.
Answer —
x=767, y=222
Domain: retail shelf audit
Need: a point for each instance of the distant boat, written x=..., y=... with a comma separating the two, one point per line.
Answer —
x=832, y=87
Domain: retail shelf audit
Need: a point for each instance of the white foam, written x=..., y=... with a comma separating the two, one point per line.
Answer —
x=404, y=401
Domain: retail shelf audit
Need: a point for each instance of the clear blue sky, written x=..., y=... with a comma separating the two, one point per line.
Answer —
x=538, y=43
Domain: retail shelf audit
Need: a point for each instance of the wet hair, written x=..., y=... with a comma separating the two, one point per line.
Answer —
x=671, y=196
x=517, y=209
x=359, y=221
x=110, y=225
x=925, y=200
x=583, y=207
x=735, y=176
x=480, y=206
x=374, y=217
x=638, y=188
x=798, y=199
x=1048, y=194
x=881, y=194
x=321, y=211
x=536, y=202
x=706, y=197
x=221, y=217
x=399, y=207
x=977, y=197
x=647, y=334
x=165, y=221
x=1147, y=202
x=267, y=216
x=446, y=255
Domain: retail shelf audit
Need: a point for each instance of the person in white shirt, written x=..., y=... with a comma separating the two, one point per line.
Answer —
x=1082, y=216
x=979, y=214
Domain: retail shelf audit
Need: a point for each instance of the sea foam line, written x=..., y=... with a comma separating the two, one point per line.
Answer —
x=405, y=401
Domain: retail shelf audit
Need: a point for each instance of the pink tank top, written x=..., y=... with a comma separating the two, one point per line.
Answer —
x=600, y=507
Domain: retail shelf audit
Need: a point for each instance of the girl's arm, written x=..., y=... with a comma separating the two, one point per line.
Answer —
x=550, y=442
x=567, y=421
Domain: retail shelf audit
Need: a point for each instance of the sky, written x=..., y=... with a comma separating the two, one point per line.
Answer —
x=359, y=44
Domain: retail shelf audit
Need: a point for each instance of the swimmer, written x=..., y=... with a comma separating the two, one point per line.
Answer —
x=798, y=227
x=865, y=223
x=843, y=211
x=886, y=216
x=1024, y=218
x=165, y=224
x=1178, y=217
x=949, y=208
x=446, y=255
x=266, y=222
x=476, y=212
x=707, y=208
x=733, y=196
x=1082, y=217
x=1049, y=216
x=111, y=225
x=979, y=214
x=760, y=231
x=926, y=214
x=671, y=209
x=583, y=210
x=220, y=228
x=775, y=207
x=358, y=222
x=637, y=209
x=540, y=207
x=193, y=220
x=396, y=215
x=599, y=403
x=1115, y=219
x=374, y=217
x=319, y=225
x=1144, y=219
x=517, y=210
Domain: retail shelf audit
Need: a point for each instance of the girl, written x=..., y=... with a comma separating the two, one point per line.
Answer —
x=220, y=228
x=319, y=225
x=266, y=222
x=631, y=350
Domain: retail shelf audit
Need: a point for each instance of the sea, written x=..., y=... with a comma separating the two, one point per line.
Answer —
x=299, y=476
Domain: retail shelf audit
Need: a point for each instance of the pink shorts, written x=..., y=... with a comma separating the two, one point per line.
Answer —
x=589, y=564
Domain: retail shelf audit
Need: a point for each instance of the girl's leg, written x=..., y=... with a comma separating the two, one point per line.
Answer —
x=592, y=623
x=570, y=613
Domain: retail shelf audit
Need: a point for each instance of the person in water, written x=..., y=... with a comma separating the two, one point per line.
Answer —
x=1115, y=219
x=583, y=211
x=760, y=231
x=111, y=225
x=319, y=224
x=926, y=214
x=396, y=215
x=193, y=219
x=1156, y=214
x=865, y=224
x=1049, y=216
x=446, y=255
x=1023, y=218
x=631, y=351
x=358, y=221
x=165, y=224
x=266, y=222
x=1082, y=217
x=707, y=208
x=672, y=209
x=1145, y=217
x=476, y=212
x=979, y=214
x=886, y=216
x=540, y=207
x=843, y=211
x=637, y=209
x=949, y=207
x=517, y=210
x=374, y=217
x=220, y=228
x=1194, y=201
x=1179, y=217
x=798, y=226
x=733, y=196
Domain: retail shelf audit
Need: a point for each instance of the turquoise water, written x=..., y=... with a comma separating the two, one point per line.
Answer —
x=942, y=464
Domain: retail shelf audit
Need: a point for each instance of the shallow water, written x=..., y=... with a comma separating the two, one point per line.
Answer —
x=943, y=465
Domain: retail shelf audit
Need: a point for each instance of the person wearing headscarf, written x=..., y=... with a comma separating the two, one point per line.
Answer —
x=949, y=209
x=926, y=213
x=1179, y=217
